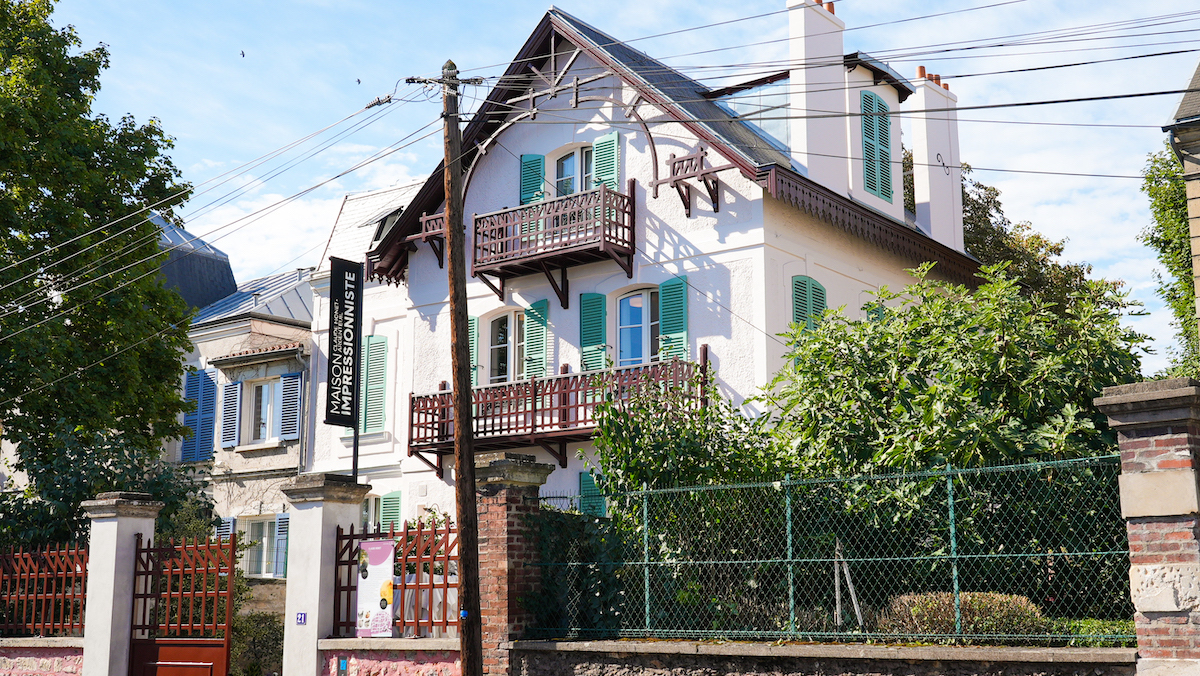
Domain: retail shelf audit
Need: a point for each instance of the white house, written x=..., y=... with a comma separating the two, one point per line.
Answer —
x=621, y=213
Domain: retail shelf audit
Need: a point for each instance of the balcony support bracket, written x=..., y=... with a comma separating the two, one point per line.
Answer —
x=436, y=467
x=559, y=453
x=562, y=286
x=498, y=290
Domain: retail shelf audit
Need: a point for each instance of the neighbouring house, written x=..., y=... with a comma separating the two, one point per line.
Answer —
x=250, y=385
x=625, y=220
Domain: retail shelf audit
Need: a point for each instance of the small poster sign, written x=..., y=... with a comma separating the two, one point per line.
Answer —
x=376, y=611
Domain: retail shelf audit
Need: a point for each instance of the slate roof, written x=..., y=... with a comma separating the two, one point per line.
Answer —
x=285, y=295
x=174, y=237
x=1189, y=104
x=356, y=225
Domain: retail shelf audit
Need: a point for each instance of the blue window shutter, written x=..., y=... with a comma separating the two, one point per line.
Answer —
x=207, y=422
x=591, y=501
x=473, y=330
x=593, y=324
x=290, y=406
x=533, y=173
x=281, y=545
x=606, y=161
x=227, y=528
x=808, y=302
x=231, y=414
x=374, y=386
x=389, y=511
x=191, y=419
x=673, y=318
x=537, y=320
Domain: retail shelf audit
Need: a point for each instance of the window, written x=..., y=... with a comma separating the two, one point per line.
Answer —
x=506, y=348
x=261, y=411
x=266, y=555
x=573, y=172
x=637, y=328
x=877, y=146
x=763, y=108
x=200, y=387
x=262, y=424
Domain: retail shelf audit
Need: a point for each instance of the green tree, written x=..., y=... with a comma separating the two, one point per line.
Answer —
x=91, y=343
x=951, y=374
x=1167, y=234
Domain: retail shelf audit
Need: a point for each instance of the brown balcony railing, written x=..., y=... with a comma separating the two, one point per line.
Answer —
x=597, y=222
x=562, y=405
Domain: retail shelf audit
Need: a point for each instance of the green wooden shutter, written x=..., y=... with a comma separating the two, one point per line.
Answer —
x=389, y=511
x=473, y=331
x=874, y=311
x=877, y=146
x=808, y=301
x=606, y=162
x=591, y=500
x=593, y=324
x=533, y=173
x=374, y=384
x=537, y=318
x=673, y=318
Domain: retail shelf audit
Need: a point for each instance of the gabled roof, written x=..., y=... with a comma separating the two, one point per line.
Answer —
x=285, y=296
x=684, y=99
x=1188, y=113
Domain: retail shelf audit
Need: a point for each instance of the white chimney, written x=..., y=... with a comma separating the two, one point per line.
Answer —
x=937, y=172
x=817, y=81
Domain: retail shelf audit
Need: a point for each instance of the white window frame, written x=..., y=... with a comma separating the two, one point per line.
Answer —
x=273, y=401
x=650, y=328
x=265, y=548
x=514, y=348
x=581, y=177
x=371, y=512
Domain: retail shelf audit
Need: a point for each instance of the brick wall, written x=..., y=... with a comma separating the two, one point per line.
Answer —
x=41, y=661
x=392, y=663
x=506, y=571
x=1158, y=448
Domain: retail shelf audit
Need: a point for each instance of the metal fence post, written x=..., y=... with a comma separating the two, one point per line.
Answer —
x=646, y=553
x=953, y=549
x=787, y=483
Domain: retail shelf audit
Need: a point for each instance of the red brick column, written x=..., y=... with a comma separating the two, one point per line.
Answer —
x=1158, y=428
x=508, y=495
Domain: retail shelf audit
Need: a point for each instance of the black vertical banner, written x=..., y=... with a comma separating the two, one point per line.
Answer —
x=345, y=343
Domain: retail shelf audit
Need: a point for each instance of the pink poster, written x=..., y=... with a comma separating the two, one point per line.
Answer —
x=375, y=574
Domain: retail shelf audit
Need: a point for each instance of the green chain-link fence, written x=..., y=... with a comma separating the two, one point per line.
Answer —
x=1025, y=554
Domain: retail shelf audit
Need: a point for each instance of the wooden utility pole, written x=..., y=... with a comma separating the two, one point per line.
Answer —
x=469, y=629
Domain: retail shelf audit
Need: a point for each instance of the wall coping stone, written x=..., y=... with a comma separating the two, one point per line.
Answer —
x=500, y=469
x=842, y=651
x=1151, y=403
x=42, y=642
x=322, y=487
x=122, y=504
x=397, y=644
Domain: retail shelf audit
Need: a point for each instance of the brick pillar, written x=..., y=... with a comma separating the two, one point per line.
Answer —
x=1158, y=428
x=508, y=495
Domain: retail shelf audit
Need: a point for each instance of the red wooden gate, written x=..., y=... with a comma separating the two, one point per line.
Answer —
x=182, y=608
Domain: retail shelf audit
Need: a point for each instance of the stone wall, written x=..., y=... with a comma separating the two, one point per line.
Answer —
x=685, y=658
x=41, y=657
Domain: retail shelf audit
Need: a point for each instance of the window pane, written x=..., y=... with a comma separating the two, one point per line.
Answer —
x=631, y=346
x=585, y=178
x=268, y=545
x=631, y=310
x=565, y=175
x=520, y=349
x=653, y=326
x=260, y=412
x=254, y=557
x=499, y=350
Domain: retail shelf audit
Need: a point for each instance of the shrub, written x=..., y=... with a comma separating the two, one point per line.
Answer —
x=983, y=613
x=257, y=644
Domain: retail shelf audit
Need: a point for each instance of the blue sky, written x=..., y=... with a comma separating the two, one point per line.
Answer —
x=182, y=63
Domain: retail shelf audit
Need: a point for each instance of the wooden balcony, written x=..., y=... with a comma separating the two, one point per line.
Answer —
x=550, y=236
x=547, y=412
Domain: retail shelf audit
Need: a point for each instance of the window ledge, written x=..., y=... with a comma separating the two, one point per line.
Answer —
x=262, y=446
x=381, y=435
